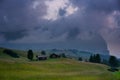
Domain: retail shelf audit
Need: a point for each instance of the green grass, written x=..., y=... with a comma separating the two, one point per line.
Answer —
x=51, y=69
x=62, y=69
x=117, y=75
x=5, y=57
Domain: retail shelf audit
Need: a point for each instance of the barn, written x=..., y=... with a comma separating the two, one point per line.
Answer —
x=54, y=56
x=43, y=57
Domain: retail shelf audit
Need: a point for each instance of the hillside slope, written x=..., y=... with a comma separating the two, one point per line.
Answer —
x=5, y=57
x=51, y=69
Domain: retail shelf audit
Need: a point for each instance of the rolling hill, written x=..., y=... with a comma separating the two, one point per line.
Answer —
x=52, y=69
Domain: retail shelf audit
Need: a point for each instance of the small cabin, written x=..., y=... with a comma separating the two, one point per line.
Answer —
x=42, y=57
x=54, y=56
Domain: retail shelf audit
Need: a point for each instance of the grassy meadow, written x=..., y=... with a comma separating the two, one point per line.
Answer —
x=52, y=69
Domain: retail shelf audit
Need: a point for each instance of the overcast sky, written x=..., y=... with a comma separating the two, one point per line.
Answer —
x=51, y=21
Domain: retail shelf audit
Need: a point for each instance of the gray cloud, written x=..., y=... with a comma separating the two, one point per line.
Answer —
x=14, y=34
x=22, y=20
x=16, y=16
x=73, y=33
x=92, y=18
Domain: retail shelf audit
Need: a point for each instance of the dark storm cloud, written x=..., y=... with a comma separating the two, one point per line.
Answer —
x=11, y=15
x=103, y=5
x=98, y=17
x=1, y=1
x=14, y=34
x=73, y=33
x=22, y=20
x=118, y=4
x=18, y=15
x=99, y=5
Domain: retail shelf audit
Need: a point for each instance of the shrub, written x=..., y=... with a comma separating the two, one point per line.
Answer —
x=10, y=53
x=113, y=61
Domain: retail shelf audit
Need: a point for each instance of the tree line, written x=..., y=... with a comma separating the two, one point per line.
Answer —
x=95, y=58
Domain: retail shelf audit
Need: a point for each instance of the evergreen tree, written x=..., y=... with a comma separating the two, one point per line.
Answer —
x=94, y=58
x=80, y=59
x=97, y=58
x=30, y=54
x=113, y=61
x=43, y=52
x=63, y=55
x=91, y=59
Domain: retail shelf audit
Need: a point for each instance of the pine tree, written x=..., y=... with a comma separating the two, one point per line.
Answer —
x=91, y=59
x=43, y=52
x=94, y=58
x=98, y=59
x=80, y=59
x=30, y=54
x=63, y=55
x=113, y=61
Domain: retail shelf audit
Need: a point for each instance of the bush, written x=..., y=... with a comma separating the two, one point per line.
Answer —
x=113, y=61
x=10, y=53
x=113, y=69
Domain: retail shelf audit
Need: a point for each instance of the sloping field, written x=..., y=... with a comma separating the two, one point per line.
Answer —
x=62, y=69
x=52, y=69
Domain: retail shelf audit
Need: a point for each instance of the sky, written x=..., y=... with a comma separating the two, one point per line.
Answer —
x=89, y=23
